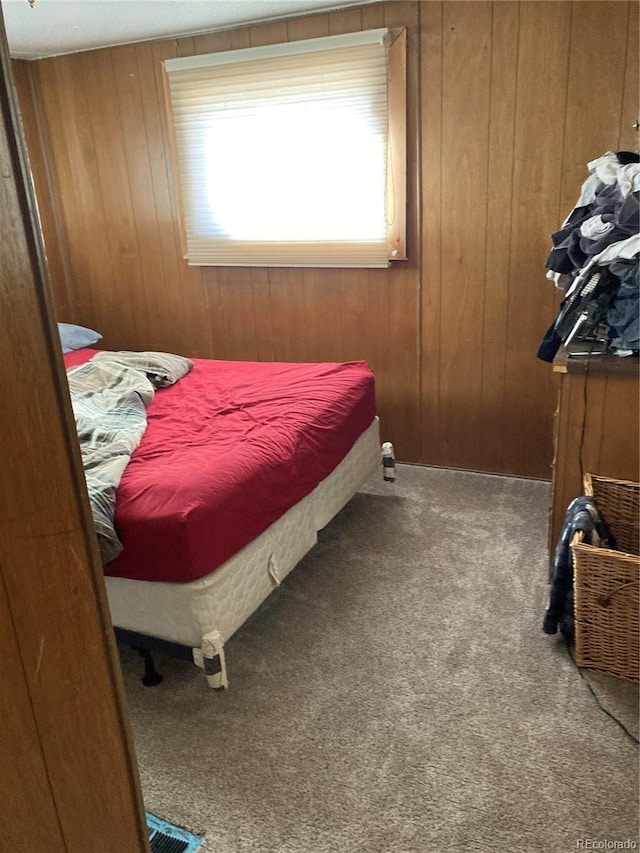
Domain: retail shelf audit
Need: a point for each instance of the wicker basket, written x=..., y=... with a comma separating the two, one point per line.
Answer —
x=606, y=584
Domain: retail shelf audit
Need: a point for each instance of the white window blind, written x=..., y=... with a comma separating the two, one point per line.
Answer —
x=282, y=153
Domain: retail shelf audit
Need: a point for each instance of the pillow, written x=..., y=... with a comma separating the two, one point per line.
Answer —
x=76, y=337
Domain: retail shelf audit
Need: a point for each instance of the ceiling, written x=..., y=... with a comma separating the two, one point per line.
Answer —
x=52, y=27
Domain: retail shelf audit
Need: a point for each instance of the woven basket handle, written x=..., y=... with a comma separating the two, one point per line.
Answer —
x=605, y=600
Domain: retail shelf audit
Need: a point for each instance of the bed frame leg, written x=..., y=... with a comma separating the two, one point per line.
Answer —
x=210, y=657
x=151, y=675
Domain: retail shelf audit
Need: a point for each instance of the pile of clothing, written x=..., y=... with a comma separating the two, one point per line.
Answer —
x=595, y=259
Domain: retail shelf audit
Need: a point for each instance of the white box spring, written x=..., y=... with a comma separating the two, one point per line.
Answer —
x=221, y=601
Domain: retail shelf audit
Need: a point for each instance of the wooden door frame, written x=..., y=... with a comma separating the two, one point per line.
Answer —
x=67, y=764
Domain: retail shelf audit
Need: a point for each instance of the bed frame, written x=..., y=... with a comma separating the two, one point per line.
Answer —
x=193, y=620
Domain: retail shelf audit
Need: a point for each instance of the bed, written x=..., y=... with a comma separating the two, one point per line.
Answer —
x=240, y=465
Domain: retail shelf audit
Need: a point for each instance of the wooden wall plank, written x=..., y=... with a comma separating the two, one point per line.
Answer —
x=52, y=229
x=466, y=73
x=210, y=43
x=313, y=26
x=65, y=112
x=286, y=300
x=235, y=286
x=598, y=61
x=619, y=442
x=629, y=138
x=121, y=163
x=492, y=436
x=537, y=179
x=431, y=23
x=372, y=16
x=376, y=345
x=323, y=314
x=269, y=33
x=240, y=38
x=345, y=21
x=266, y=337
x=359, y=330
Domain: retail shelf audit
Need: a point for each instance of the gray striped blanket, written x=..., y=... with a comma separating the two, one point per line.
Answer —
x=109, y=395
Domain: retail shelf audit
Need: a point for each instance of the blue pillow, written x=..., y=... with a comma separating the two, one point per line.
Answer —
x=76, y=337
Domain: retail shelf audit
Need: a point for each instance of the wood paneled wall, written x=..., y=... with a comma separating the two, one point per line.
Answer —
x=507, y=103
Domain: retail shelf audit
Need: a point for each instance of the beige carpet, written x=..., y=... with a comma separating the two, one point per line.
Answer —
x=397, y=695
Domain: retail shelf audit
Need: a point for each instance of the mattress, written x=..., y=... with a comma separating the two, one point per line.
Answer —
x=228, y=450
x=221, y=601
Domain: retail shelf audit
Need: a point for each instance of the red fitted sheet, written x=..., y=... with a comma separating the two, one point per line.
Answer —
x=228, y=449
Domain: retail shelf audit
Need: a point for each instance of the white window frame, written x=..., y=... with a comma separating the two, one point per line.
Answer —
x=188, y=95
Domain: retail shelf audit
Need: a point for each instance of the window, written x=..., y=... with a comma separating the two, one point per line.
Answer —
x=286, y=156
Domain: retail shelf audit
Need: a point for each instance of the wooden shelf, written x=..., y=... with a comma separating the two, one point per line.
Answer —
x=605, y=364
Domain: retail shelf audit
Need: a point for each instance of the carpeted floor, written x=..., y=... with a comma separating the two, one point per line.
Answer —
x=397, y=695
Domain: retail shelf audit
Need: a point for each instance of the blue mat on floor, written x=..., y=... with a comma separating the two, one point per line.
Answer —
x=166, y=838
